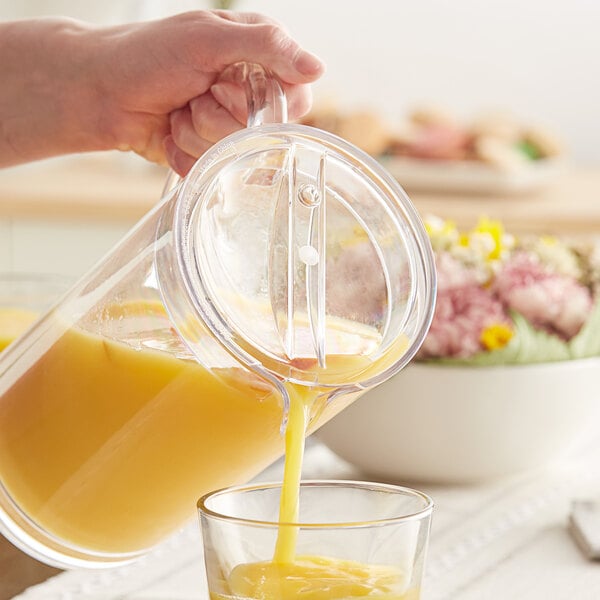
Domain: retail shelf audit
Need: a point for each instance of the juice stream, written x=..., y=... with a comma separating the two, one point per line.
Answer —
x=285, y=548
x=291, y=577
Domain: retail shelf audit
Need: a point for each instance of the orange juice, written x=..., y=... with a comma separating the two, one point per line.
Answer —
x=315, y=578
x=108, y=447
x=13, y=322
x=302, y=405
x=291, y=577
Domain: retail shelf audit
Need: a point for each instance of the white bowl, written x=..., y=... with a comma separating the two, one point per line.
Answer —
x=454, y=424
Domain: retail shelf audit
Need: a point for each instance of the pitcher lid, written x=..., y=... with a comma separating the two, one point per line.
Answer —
x=304, y=257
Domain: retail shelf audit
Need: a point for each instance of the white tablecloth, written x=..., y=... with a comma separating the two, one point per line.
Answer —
x=506, y=540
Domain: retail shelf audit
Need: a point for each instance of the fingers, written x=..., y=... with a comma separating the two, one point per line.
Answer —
x=179, y=161
x=199, y=124
x=184, y=134
x=210, y=119
x=232, y=97
x=253, y=38
x=270, y=46
x=222, y=109
x=299, y=100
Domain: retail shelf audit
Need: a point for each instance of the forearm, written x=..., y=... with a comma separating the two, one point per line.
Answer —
x=49, y=103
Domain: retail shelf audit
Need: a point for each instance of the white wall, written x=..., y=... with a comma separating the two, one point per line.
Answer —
x=540, y=58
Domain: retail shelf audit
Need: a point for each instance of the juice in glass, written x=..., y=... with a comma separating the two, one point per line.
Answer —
x=354, y=540
x=316, y=578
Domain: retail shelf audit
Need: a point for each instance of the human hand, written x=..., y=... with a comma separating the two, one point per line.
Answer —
x=165, y=100
x=148, y=87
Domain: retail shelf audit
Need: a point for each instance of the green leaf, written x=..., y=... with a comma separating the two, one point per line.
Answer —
x=587, y=342
x=528, y=346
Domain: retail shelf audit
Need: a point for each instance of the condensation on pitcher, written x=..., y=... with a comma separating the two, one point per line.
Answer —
x=308, y=255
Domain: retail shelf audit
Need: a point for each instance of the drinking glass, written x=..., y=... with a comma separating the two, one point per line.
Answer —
x=352, y=539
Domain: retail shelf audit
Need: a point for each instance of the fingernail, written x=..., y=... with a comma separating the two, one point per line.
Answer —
x=308, y=64
x=219, y=92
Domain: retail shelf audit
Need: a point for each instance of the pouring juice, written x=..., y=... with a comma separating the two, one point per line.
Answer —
x=289, y=576
x=167, y=370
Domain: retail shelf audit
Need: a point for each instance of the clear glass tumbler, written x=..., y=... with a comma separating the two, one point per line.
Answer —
x=353, y=539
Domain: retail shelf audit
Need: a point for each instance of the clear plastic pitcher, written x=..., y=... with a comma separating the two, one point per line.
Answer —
x=286, y=260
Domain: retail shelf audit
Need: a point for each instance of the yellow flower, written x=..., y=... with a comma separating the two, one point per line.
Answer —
x=443, y=235
x=548, y=240
x=439, y=227
x=495, y=230
x=496, y=336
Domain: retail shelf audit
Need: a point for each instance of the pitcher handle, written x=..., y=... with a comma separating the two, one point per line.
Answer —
x=265, y=100
x=264, y=94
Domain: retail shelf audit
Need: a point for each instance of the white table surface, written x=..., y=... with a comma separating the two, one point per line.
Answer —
x=499, y=541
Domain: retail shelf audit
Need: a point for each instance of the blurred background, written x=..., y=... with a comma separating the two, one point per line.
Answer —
x=476, y=108
x=539, y=58
x=407, y=81
x=430, y=87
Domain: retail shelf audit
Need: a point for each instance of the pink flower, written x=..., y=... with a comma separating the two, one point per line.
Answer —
x=452, y=273
x=461, y=315
x=548, y=300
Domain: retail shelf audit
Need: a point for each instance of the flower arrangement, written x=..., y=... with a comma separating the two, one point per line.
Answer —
x=504, y=300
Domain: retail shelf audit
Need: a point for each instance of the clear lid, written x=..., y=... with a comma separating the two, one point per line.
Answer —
x=302, y=255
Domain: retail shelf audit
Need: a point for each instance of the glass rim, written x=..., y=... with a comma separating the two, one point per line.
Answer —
x=337, y=483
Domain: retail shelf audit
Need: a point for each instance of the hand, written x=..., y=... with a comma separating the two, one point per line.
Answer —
x=148, y=87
